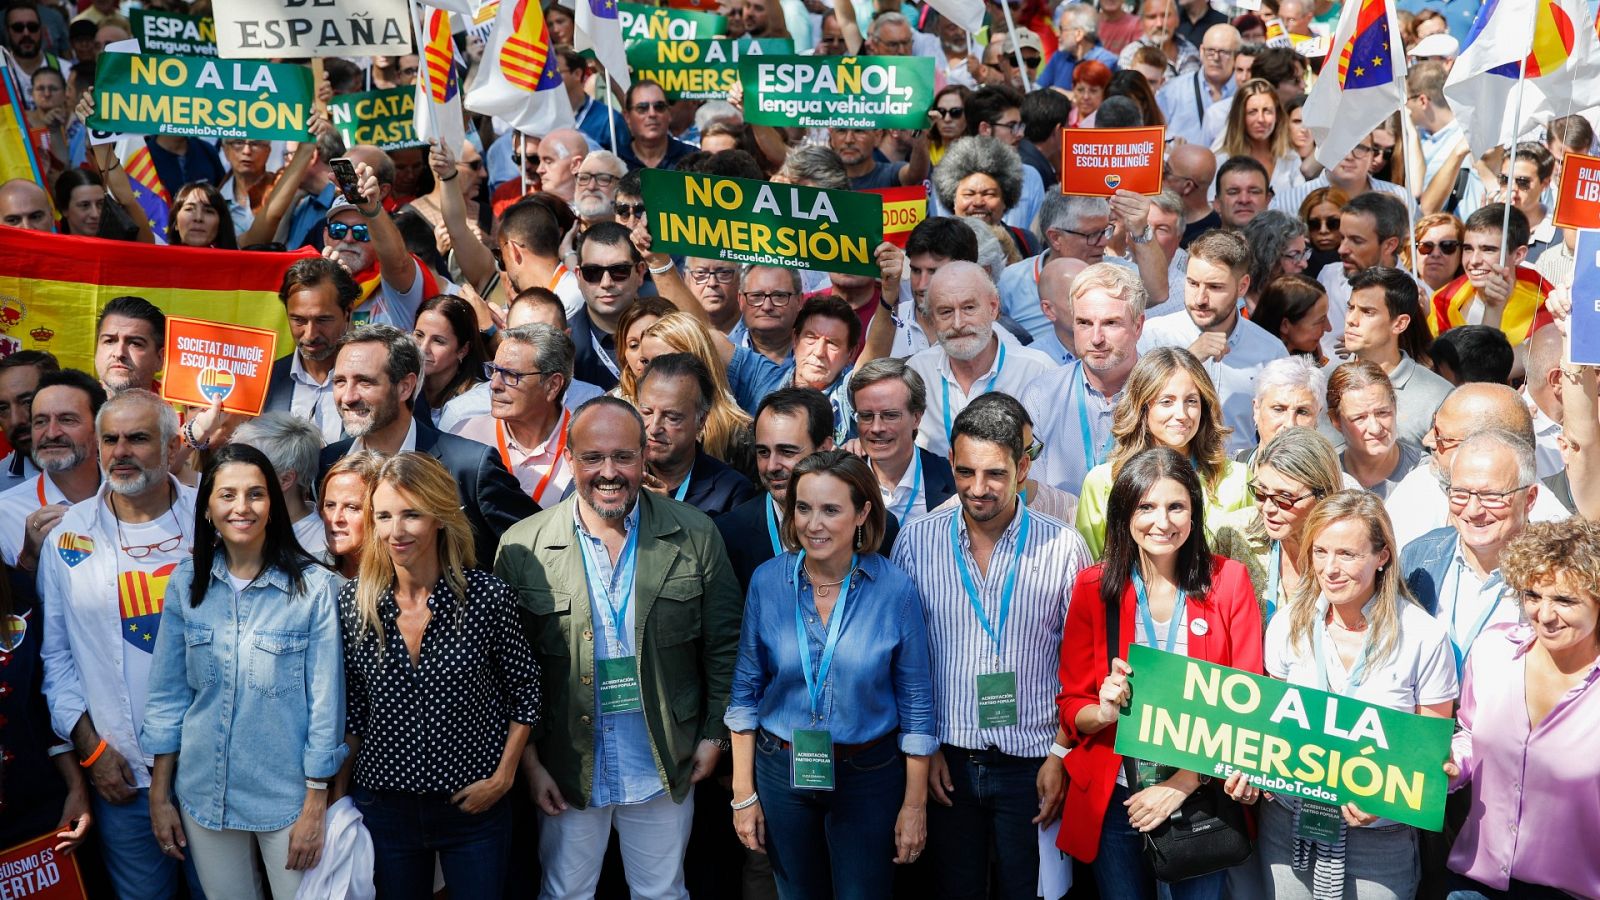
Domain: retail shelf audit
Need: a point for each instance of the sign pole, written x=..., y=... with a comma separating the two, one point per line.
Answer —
x=1511, y=148
x=1016, y=45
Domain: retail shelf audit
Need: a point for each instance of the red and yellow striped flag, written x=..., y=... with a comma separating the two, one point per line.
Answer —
x=1525, y=312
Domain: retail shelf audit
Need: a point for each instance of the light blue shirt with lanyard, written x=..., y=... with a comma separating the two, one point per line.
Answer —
x=997, y=687
x=1494, y=588
x=944, y=385
x=812, y=748
x=625, y=768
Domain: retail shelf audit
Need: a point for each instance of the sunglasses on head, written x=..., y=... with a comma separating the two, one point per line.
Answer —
x=594, y=273
x=659, y=106
x=1426, y=248
x=1331, y=223
x=627, y=210
x=359, y=231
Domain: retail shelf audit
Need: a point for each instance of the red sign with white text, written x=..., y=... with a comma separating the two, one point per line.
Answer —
x=1098, y=162
x=35, y=871
x=211, y=361
x=1578, y=193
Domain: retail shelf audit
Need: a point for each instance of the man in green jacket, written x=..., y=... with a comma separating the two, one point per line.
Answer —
x=634, y=613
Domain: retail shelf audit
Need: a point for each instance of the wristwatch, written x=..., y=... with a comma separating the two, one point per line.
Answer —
x=1146, y=237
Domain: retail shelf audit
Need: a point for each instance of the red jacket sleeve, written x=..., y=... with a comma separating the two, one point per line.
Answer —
x=1236, y=602
x=1083, y=666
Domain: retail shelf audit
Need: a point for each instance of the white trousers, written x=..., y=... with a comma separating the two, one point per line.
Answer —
x=226, y=861
x=653, y=834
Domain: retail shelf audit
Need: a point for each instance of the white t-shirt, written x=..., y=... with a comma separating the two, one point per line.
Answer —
x=1420, y=671
x=141, y=592
x=312, y=536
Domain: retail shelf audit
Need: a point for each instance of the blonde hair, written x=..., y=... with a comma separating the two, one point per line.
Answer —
x=627, y=384
x=365, y=465
x=726, y=422
x=1388, y=589
x=1236, y=139
x=1128, y=421
x=1303, y=455
x=426, y=483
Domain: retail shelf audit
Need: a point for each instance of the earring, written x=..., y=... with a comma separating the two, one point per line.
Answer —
x=860, y=531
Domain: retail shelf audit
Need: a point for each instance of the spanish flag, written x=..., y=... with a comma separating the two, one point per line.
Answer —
x=53, y=286
x=1525, y=312
x=16, y=149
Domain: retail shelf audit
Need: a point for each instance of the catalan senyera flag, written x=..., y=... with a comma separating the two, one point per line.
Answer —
x=1361, y=84
x=52, y=287
x=518, y=79
x=438, y=107
x=16, y=151
x=1525, y=311
x=1546, y=43
x=151, y=195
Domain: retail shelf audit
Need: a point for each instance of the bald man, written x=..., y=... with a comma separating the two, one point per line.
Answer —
x=23, y=204
x=1417, y=505
x=1055, y=289
x=1543, y=393
x=1188, y=173
x=1183, y=100
x=561, y=152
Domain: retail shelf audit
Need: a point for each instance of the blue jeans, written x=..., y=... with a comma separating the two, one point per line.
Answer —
x=408, y=829
x=837, y=843
x=1464, y=888
x=138, y=868
x=993, y=804
x=1120, y=869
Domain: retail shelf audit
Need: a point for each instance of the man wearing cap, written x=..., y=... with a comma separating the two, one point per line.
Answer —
x=365, y=241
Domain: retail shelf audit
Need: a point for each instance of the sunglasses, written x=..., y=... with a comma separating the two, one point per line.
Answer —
x=1448, y=248
x=659, y=106
x=952, y=112
x=359, y=231
x=24, y=27
x=1284, y=502
x=595, y=274
x=1524, y=183
x=627, y=210
x=1331, y=223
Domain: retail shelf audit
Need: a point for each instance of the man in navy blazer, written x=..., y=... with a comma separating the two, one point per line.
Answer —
x=318, y=296
x=374, y=374
x=889, y=398
x=675, y=399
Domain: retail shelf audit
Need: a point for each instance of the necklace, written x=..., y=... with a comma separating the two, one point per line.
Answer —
x=824, y=588
x=1334, y=620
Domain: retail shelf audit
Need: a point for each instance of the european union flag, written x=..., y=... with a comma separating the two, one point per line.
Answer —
x=604, y=9
x=1368, y=60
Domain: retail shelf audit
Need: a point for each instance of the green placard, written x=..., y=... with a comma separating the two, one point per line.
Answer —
x=193, y=96
x=642, y=22
x=742, y=220
x=838, y=91
x=699, y=70
x=164, y=32
x=1290, y=740
x=382, y=118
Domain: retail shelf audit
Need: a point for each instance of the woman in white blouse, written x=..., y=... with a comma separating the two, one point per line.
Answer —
x=1353, y=630
x=1258, y=127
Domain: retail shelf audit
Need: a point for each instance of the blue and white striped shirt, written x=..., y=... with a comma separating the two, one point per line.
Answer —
x=961, y=649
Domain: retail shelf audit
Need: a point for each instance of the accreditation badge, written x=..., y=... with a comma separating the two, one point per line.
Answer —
x=997, y=700
x=811, y=760
x=1151, y=774
x=619, y=685
x=1319, y=822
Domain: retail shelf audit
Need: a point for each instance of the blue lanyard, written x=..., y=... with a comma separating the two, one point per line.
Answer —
x=682, y=488
x=1320, y=638
x=1274, y=565
x=815, y=683
x=772, y=529
x=1091, y=452
x=997, y=630
x=1174, y=627
x=617, y=613
x=1461, y=649
x=999, y=364
x=916, y=485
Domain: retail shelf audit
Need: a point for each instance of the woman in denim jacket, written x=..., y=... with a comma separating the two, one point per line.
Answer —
x=247, y=687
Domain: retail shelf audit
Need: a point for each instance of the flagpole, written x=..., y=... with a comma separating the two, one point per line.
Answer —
x=611, y=116
x=1016, y=45
x=1511, y=151
x=1407, y=129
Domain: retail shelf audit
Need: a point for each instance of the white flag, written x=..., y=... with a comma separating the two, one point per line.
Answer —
x=518, y=79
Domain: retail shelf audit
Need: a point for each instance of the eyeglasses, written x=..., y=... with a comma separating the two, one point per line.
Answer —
x=237, y=145
x=778, y=299
x=627, y=210
x=1092, y=237
x=1218, y=53
x=899, y=46
x=1460, y=497
x=1442, y=444
x=622, y=459
x=510, y=377
x=721, y=276
x=141, y=551
x=603, y=179
x=1282, y=501
x=1291, y=256
x=1331, y=223
x=1015, y=127
x=1448, y=248
x=359, y=232
x=1361, y=151
x=595, y=274
x=1524, y=183
x=949, y=112
x=888, y=417
x=1034, y=449
x=659, y=106
x=24, y=27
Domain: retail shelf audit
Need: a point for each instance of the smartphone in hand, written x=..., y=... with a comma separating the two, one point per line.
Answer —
x=344, y=175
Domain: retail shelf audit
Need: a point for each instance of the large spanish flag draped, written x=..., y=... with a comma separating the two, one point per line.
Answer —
x=1525, y=312
x=52, y=286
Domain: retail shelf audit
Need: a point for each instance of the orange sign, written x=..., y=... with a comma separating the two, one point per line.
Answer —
x=209, y=361
x=1578, y=194
x=904, y=208
x=1098, y=162
x=35, y=871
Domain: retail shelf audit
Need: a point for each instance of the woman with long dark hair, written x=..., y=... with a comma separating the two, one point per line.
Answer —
x=453, y=356
x=80, y=196
x=1169, y=592
x=199, y=217
x=246, y=696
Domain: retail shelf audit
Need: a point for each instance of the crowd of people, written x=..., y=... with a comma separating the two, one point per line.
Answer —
x=559, y=565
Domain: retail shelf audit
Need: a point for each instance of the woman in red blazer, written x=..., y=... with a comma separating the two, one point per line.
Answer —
x=1170, y=593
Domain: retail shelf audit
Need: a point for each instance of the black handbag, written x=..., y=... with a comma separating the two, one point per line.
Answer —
x=1207, y=834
